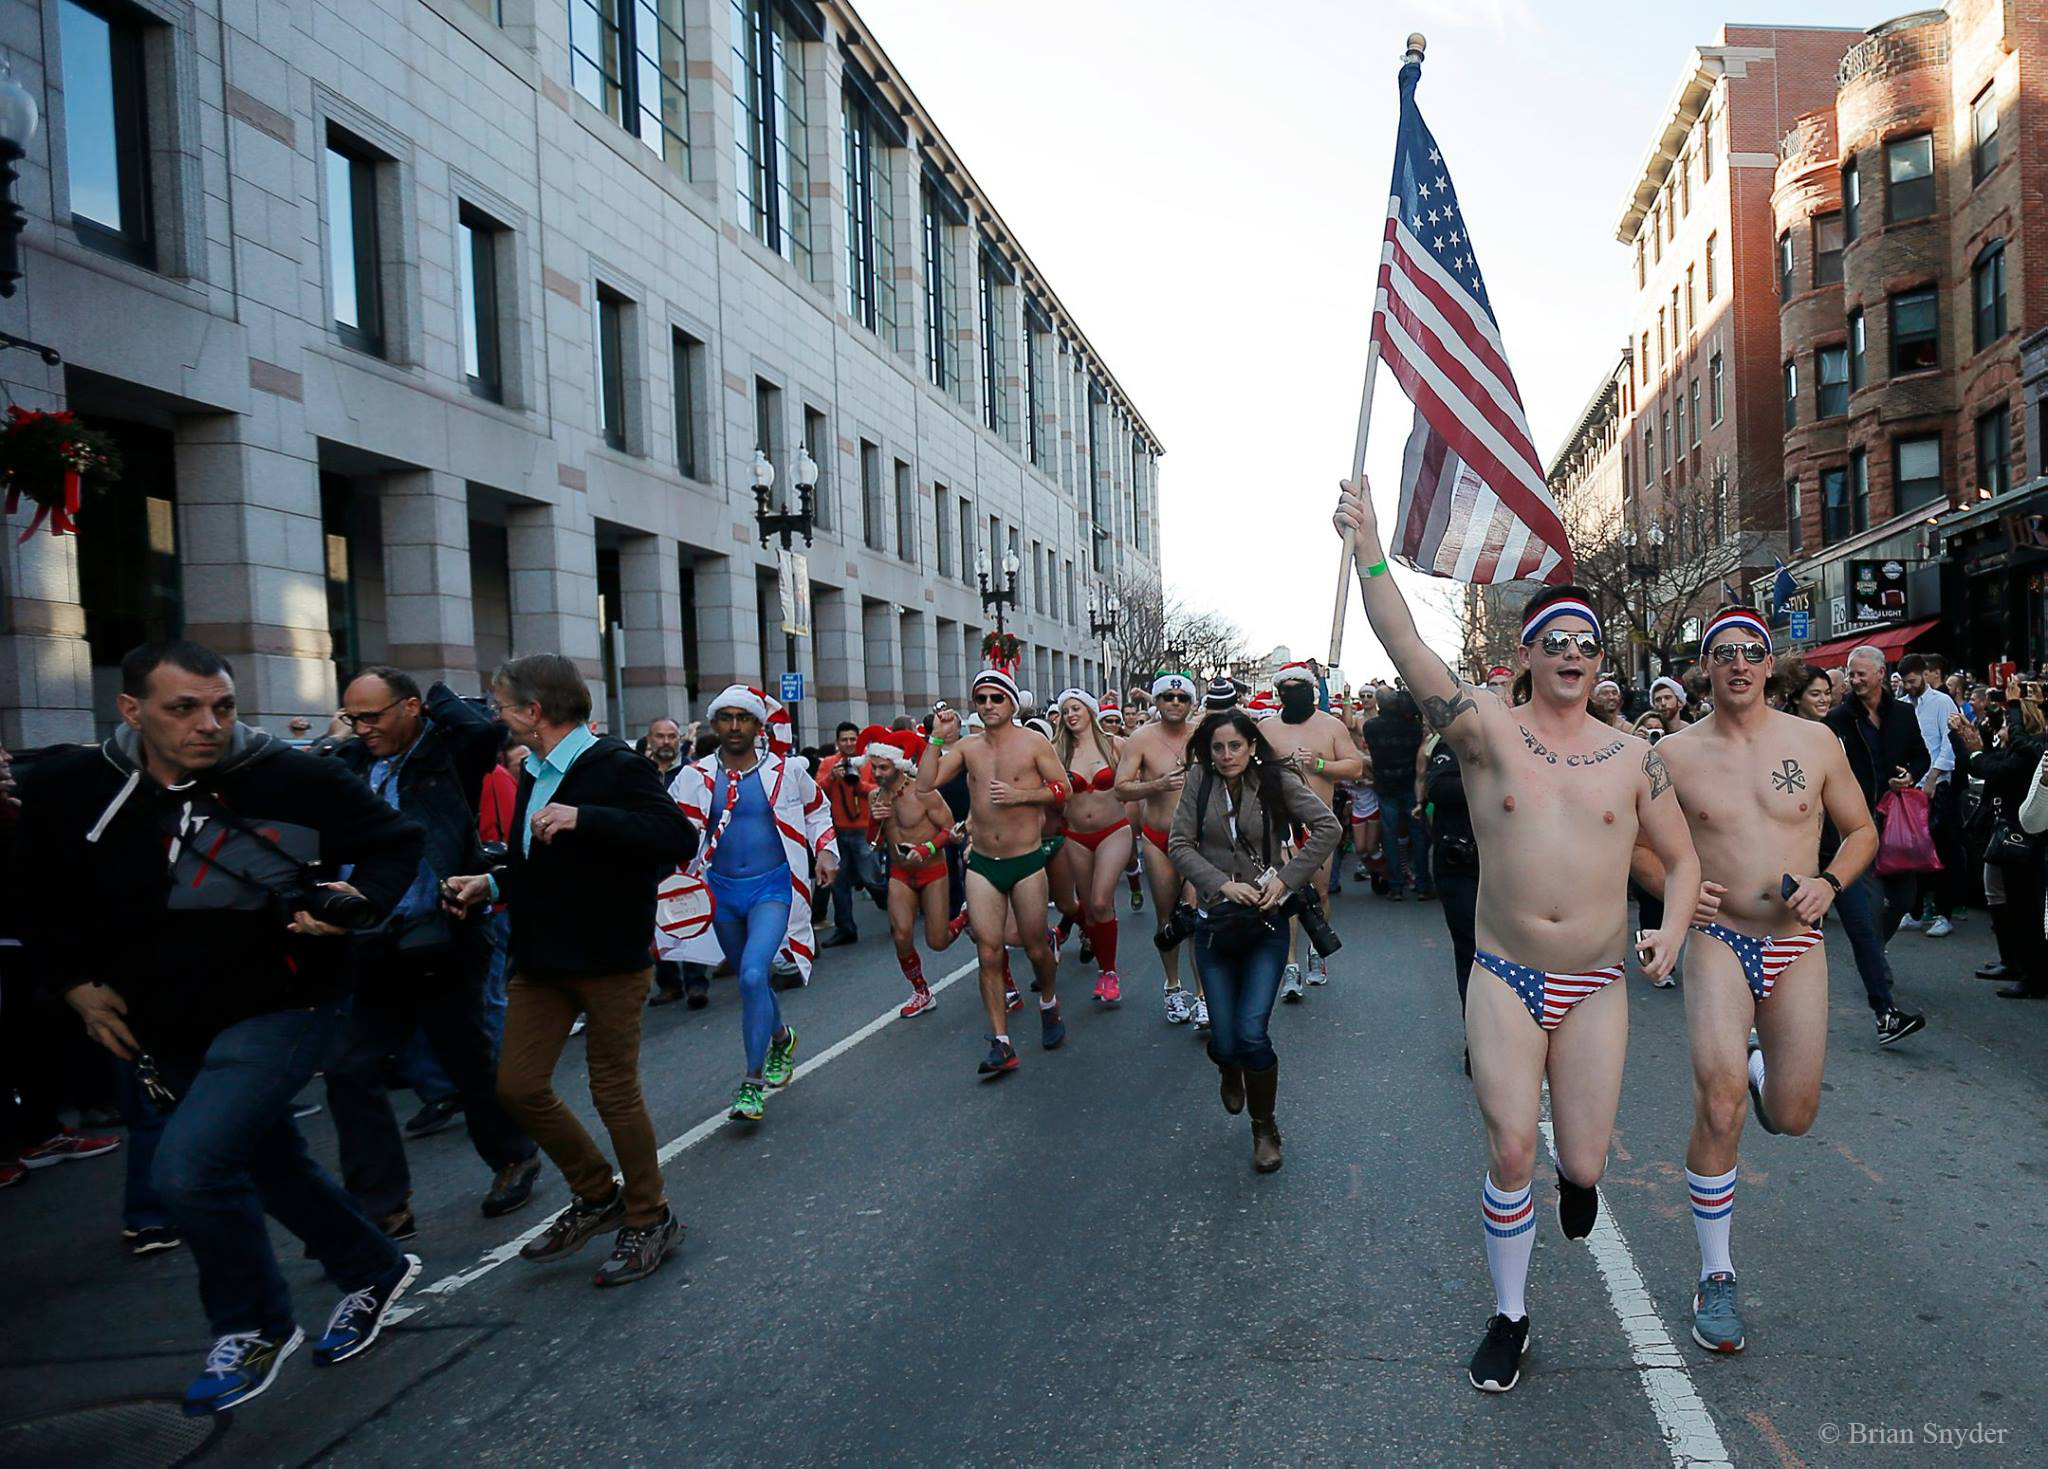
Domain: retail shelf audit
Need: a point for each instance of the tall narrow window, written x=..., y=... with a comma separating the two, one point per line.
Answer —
x=611, y=366
x=942, y=528
x=870, y=216
x=1916, y=343
x=627, y=57
x=351, y=228
x=966, y=564
x=1692, y=313
x=1983, y=134
x=106, y=129
x=1827, y=249
x=1036, y=350
x=1795, y=527
x=1909, y=172
x=871, y=519
x=1713, y=262
x=906, y=514
x=1678, y=396
x=995, y=341
x=770, y=118
x=1987, y=295
x=1916, y=472
x=1791, y=392
x=1714, y=386
x=1639, y=263
x=1831, y=382
x=1785, y=266
x=1706, y=148
x=476, y=248
x=941, y=216
x=1856, y=349
x=768, y=435
x=1994, y=451
x=686, y=376
x=1695, y=413
x=818, y=444
x=1852, y=199
x=1835, y=522
x=1649, y=453
x=1859, y=491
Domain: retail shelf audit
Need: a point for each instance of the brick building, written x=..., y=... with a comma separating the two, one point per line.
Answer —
x=1703, y=428
x=1905, y=237
x=436, y=330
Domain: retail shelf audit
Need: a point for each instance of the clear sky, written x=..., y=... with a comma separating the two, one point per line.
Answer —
x=1203, y=183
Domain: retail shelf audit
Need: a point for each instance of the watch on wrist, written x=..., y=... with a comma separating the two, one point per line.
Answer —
x=1832, y=881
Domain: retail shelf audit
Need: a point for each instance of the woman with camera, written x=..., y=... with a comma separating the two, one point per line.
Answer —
x=1230, y=831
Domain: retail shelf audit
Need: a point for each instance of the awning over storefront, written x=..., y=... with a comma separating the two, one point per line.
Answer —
x=1891, y=641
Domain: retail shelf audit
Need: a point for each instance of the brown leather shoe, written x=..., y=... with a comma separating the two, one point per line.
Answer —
x=1233, y=1089
x=1265, y=1146
x=639, y=1252
x=574, y=1225
x=512, y=1187
x=1260, y=1088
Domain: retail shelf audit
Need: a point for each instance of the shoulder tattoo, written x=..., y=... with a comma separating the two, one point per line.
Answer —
x=1660, y=775
x=1440, y=712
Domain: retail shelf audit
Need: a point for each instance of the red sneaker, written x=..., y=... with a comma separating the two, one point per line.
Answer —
x=1011, y=999
x=920, y=1001
x=1108, y=989
x=11, y=1174
x=68, y=1146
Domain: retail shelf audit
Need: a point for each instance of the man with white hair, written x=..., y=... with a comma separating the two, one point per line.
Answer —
x=764, y=823
x=1881, y=737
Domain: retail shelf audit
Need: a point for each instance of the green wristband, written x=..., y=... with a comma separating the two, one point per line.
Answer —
x=1378, y=568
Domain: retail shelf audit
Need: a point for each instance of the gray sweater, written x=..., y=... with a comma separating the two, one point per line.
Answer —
x=1213, y=856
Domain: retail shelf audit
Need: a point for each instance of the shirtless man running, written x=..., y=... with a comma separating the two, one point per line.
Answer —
x=1557, y=801
x=916, y=830
x=1321, y=751
x=1754, y=785
x=1012, y=774
x=1150, y=774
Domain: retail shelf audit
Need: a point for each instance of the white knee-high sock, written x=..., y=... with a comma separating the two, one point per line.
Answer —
x=1510, y=1222
x=1713, y=1214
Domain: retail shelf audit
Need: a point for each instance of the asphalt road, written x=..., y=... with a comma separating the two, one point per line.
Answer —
x=1075, y=1264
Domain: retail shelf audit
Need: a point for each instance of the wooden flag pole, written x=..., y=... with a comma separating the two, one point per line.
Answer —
x=1416, y=46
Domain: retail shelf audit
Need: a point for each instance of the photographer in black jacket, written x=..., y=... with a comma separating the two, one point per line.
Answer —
x=424, y=969
x=176, y=885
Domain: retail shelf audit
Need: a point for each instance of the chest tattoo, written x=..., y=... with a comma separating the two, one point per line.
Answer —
x=1537, y=747
x=1789, y=777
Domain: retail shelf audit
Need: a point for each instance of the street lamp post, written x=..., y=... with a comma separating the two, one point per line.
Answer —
x=1101, y=624
x=1645, y=561
x=18, y=121
x=997, y=598
x=785, y=524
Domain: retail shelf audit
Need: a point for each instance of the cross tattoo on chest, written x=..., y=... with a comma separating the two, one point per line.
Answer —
x=1789, y=777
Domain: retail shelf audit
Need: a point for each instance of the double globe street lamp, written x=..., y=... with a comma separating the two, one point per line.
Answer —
x=995, y=599
x=785, y=524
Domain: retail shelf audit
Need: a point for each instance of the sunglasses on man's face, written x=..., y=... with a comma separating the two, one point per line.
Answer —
x=1724, y=653
x=991, y=698
x=1176, y=699
x=1553, y=644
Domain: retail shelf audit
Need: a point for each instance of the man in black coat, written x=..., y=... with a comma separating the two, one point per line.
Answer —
x=424, y=969
x=176, y=891
x=593, y=837
x=1881, y=736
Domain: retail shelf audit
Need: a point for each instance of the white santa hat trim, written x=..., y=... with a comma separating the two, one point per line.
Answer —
x=1669, y=683
x=740, y=697
x=1294, y=672
x=1001, y=680
x=1173, y=683
x=1094, y=705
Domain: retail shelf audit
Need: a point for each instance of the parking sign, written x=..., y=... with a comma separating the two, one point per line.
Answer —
x=792, y=688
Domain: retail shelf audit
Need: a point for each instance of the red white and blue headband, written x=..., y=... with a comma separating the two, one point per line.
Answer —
x=1743, y=621
x=1549, y=611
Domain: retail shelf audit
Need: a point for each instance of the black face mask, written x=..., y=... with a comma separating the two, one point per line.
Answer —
x=1297, y=702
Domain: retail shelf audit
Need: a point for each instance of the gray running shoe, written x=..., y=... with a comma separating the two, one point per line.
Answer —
x=1318, y=968
x=1200, y=1013
x=1716, y=1325
x=1179, y=1009
x=1290, y=984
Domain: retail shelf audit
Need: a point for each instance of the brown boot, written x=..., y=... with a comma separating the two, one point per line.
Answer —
x=1260, y=1088
x=1233, y=1089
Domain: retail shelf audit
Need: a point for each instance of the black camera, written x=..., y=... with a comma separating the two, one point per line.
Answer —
x=1322, y=938
x=343, y=910
x=1179, y=927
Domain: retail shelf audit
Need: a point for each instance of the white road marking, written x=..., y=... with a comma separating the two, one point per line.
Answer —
x=447, y=1285
x=1689, y=1431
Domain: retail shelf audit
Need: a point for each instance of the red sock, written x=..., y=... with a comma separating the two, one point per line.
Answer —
x=1066, y=926
x=1007, y=983
x=1102, y=938
x=913, y=968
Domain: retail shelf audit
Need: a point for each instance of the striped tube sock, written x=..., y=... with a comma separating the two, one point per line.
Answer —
x=1510, y=1220
x=1713, y=1214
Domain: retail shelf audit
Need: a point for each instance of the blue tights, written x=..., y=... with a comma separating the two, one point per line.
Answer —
x=750, y=940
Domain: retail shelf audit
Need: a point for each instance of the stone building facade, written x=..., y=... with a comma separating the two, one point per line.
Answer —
x=435, y=330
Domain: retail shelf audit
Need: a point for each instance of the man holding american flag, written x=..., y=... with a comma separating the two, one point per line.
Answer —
x=1558, y=799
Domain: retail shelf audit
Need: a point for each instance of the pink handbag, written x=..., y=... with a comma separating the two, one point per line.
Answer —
x=1906, y=844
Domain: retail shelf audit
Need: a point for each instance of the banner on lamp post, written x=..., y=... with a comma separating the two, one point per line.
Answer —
x=795, y=579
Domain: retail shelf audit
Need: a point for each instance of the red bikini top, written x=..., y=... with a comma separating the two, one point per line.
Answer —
x=1105, y=779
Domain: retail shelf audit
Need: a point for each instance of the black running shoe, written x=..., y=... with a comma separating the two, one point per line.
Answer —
x=1497, y=1365
x=434, y=1116
x=1577, y=1208
x=1001, y=1058
x=1896, y=1025
x=1756, y=1094
x=573, y=1226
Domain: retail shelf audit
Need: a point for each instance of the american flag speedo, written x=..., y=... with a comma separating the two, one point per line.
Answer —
x=1474, y=504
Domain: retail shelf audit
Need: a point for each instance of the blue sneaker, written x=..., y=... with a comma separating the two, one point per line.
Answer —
x=1715, y=1323
x=241, y=1365
x=1051, y=1029
x=360, y=1315
x=1001, y=1058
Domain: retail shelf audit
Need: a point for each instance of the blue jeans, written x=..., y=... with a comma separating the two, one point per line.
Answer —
x=141, y=1207
x=858, y=867
x=1870, y=909
x=418, y=1065
x=1399, y=829
x=230, y=1154
x=753, y=917
x=1241, y=985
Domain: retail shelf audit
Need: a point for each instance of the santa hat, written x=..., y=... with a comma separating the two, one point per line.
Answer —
x=775, y=721
x=1498, y=672
x=901, y=748
x=1669, y=683
x=1110, y=705
x=1261, y=706
x=1088, y=701
x=1298, y=671
x=1000, y=680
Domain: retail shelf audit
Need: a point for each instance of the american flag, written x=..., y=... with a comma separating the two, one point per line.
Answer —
x=1474, y=504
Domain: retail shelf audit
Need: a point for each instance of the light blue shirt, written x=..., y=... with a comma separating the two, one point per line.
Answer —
x=548, y=778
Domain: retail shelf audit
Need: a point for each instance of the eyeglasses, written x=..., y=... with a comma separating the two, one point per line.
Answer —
x=991, y=698
x=1175, y=699
x=364, y=721
x=1553, y=644
x=1724, y=653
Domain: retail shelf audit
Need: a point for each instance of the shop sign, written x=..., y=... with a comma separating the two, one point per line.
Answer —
x=1877, y=591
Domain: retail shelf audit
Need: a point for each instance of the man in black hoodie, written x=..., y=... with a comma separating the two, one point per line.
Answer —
x=170, y=879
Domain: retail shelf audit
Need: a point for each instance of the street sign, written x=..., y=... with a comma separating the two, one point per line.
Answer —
x=1800, y=626
x=792, y=688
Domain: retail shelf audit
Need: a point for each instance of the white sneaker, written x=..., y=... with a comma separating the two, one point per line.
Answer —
x=1178, y=1010
x=1290, y=983
x=1318, y=969
x=1911, y=921
x=1941, y=928
x=577, y=1027
x=1201, y=1013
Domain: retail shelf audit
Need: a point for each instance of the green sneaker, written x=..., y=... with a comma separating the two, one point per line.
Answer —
x=781, y=1059
x=1715, y=1323
x=746, y=1103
